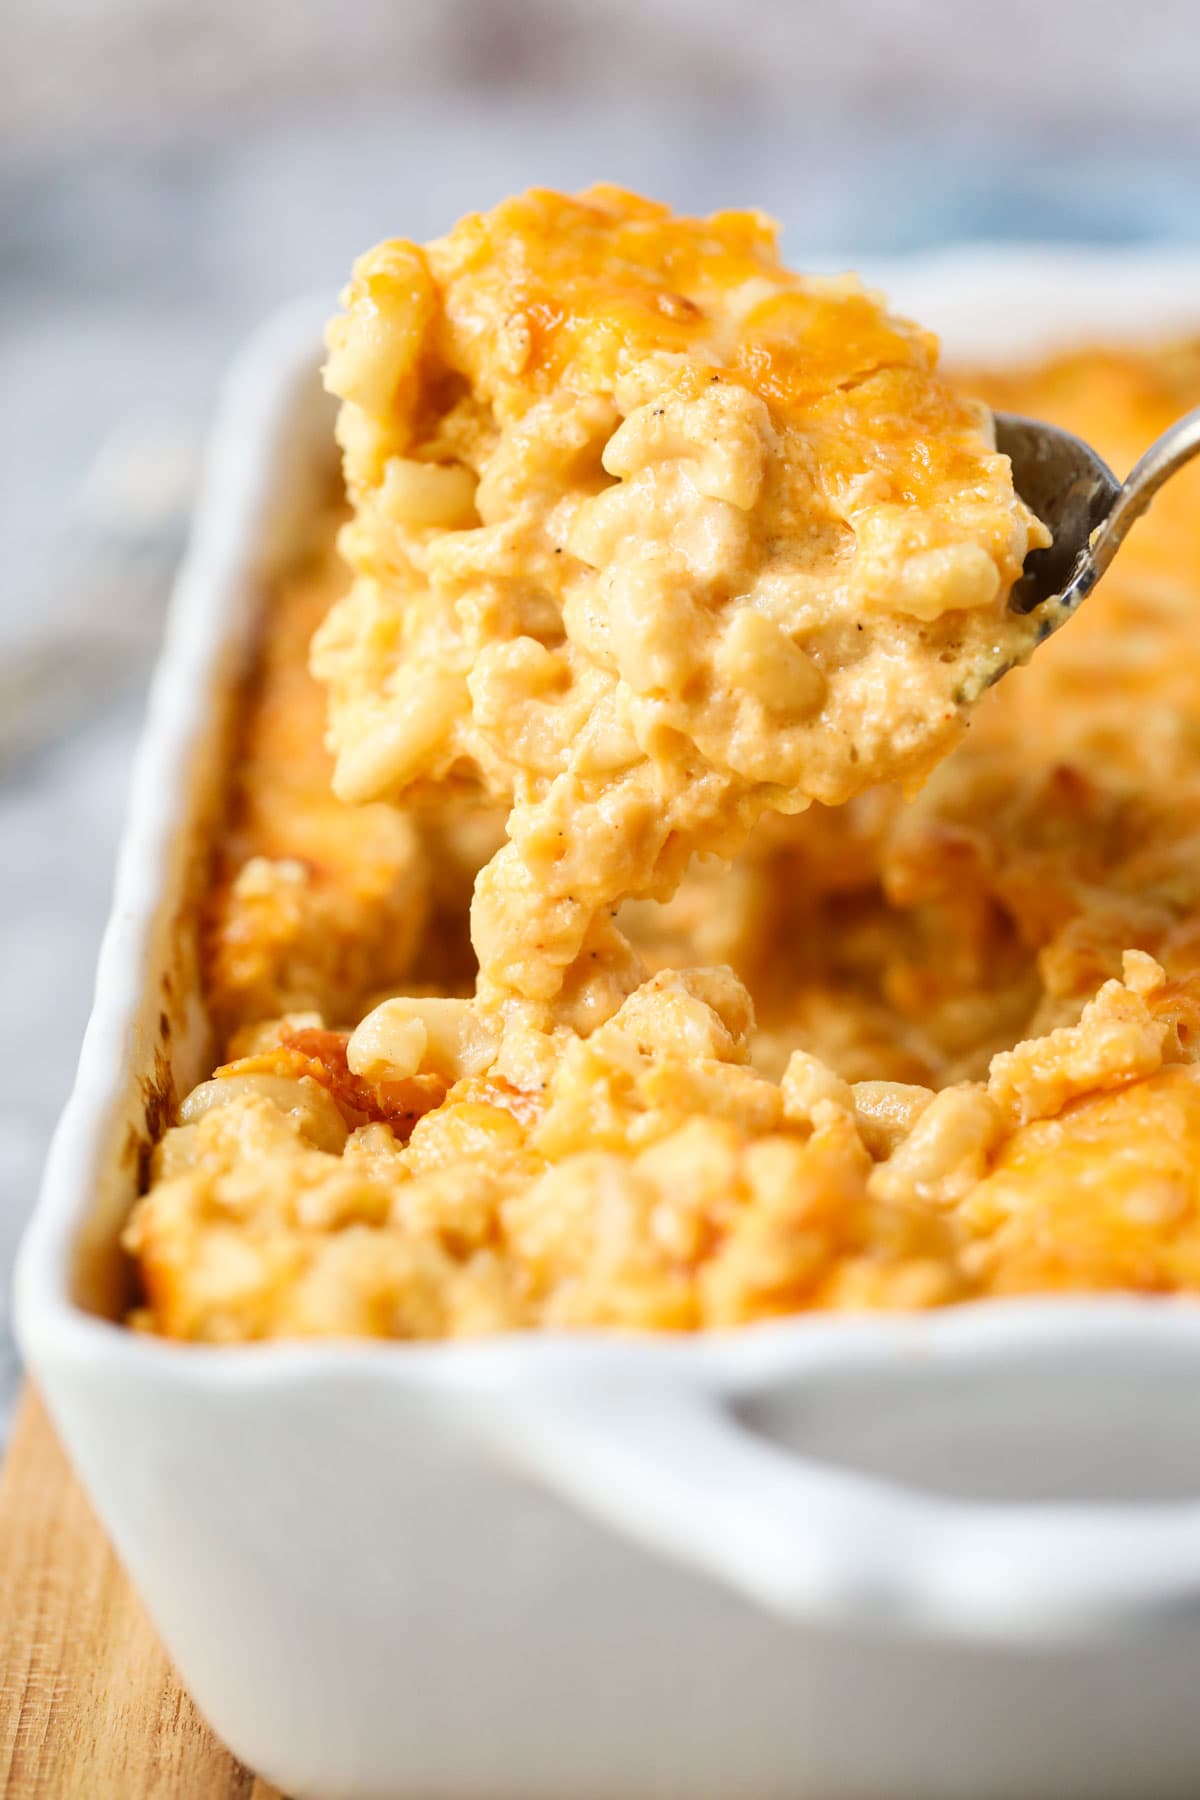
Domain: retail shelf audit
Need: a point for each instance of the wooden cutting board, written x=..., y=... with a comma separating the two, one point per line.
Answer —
x=90, y=1708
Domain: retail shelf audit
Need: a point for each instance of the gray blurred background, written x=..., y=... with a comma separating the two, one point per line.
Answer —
x=172, y=169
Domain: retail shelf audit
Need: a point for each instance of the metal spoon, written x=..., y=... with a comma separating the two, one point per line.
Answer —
x=1087, y=511
x=1085, y=507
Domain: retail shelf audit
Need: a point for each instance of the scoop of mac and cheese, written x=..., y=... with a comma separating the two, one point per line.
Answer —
x=650, y=536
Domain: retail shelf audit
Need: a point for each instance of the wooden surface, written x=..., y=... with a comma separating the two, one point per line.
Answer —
x=89, y=1705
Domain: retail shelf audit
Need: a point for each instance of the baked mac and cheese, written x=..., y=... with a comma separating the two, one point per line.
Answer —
x=900, y=1052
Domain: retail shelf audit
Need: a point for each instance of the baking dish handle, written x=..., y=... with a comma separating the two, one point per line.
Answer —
x=673, y=1468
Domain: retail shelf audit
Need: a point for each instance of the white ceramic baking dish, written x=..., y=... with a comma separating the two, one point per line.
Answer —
x=947, y=1556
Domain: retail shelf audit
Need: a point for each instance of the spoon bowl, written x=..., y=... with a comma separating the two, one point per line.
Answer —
x=1086, y=509
x=1069, y=488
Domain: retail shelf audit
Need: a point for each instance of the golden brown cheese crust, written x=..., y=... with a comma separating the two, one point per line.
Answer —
x=654, y=1180
x=939, y=1098
x=650, y=535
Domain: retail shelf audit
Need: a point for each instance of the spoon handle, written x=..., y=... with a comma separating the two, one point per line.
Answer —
x=1166, y=454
